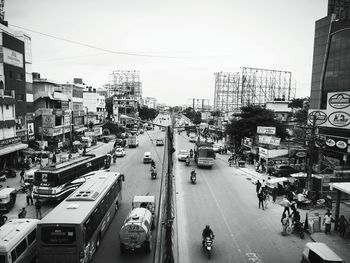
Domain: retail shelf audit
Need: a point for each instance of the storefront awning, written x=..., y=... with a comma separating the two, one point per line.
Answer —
x=80, y=129
x=12, y=148
x=344, y=187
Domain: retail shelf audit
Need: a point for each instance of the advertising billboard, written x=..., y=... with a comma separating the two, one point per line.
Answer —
x=266, y=130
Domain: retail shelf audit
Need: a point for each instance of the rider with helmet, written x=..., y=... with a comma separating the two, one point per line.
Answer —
x=207, y=232
x=191, y=153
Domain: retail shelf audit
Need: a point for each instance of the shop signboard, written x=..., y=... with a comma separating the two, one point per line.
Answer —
x=10, y=141
x=48, y=121
x=97, y=131
x=272, y=140
x=30, y=128
x=266, y=130
x=336, y=144
x=89, y=134
x=263, y=152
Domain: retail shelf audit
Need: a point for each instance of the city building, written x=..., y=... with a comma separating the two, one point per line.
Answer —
x=280, y=108
x=13, y=76
x=94, y=105
x=10, y=144
x=52, y=113
x=150, y=102
x=330, y=87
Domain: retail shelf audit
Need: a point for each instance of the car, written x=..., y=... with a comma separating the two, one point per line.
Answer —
x=147, y=157
x=120, y=152
x=282, y=170
x=183, y=155
x=159, y=142
x=216, y=148
x=141, y=131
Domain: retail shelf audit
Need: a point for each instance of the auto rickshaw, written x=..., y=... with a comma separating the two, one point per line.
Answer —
x=315, y=252
x=7, y=199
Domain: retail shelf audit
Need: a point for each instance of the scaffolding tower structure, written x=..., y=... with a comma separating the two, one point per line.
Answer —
x=2, y=11
x=262, y=85
x=201, y=105
x=227, y=96
x=125, y=83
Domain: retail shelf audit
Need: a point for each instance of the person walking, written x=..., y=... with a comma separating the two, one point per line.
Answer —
x=261, y=199
x=274, y=194
x=29, y=196
x=258, y=186
x=327, y=221
x=285, y=202
x=38, y=208
x=22, y=213
x=343, y=225
x=266, y=197
x=22, y=176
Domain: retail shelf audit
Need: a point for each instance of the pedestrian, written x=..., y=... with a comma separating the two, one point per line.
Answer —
x=343, y=225
x=263, y=184
x=258, y=185
x=22, y=213
x=266, y=198
x=285, y=202
x=3, y=219
x=38, y=208
x=327, y=221
x=22, y=176
x=274, y=194
x=261, y=199
x=29, y=196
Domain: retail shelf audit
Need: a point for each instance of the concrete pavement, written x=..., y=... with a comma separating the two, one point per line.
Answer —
x=339, y=245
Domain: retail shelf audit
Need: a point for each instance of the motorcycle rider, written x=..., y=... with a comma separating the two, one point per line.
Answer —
x=191, y=153
x=207, y=232
x=187, y=160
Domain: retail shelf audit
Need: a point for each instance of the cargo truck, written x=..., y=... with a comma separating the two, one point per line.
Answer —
x=133, y=142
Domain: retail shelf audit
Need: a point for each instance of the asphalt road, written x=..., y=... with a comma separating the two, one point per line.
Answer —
x=137, y=181
x=226, y=200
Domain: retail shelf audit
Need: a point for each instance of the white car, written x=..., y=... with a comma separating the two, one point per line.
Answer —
x=159, y=142
x=120, y=152
x=182, y=155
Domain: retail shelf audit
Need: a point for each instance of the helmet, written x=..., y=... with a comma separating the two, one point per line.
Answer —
x=207, y=226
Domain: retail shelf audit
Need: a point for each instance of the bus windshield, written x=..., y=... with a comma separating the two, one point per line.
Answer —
x=2, y=259
x=49, y=179
x=58, y=235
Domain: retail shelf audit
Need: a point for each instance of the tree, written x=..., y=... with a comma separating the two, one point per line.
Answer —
x=146, y=113
x=303, y=107
x=194, y=116
x=216, y=113
x=113, y=128
x=251, y=117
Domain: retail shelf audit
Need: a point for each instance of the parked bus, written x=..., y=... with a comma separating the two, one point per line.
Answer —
x=73, y=230
x=204, y=154
x=18, y=241
x=55, y=182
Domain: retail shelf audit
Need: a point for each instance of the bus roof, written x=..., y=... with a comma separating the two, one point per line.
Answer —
x=77, y=206
x=70, y=163
x=13, y=231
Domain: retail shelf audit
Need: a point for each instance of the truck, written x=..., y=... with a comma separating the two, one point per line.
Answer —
x=136, y=231
x=133, y=142
x=145, y=201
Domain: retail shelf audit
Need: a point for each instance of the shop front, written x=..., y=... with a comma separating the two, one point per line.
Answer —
x=10, y=153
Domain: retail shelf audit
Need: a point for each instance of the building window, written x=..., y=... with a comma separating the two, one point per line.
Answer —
x=10, y=74
x=20, y=97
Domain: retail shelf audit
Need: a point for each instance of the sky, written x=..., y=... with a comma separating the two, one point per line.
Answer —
x=176, y=45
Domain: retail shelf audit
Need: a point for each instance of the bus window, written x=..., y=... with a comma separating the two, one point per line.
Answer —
x=18, y=251
x=2, y=259
x=31, y=237
x=58, y=235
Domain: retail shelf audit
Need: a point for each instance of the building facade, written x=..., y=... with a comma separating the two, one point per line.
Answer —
x=150, y=102
x=94, y=105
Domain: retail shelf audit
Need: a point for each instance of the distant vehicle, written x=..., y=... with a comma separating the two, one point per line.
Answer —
x=120, y=152
x=204, y=154
x=136, y=231
x=86, y=141
x=319, y=252
x=282, y=170
x=216, y=148
x=147, y=157
x=54, y=182
x=159, y=142
x=192, y=137
x=119, y=142
x=7, y=199
x=133, y=142
x=145, y=201
x=76, y=226
x=29, y=175
x=105, y=139
x=21, y=247
x=141, y=131
x=183, y=155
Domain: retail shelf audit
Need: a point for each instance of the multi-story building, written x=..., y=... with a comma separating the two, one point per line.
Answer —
x=10, y=144
x=13, y=75
x=94, y=105
x=280, y=109
x=52, y=113
x=330, y=86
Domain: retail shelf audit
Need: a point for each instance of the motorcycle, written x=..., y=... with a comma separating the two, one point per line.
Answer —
x=191, y=154
x=193, y=177
x=208, y=245
x=297, y=228
x=187, y=162
x=154, y=174
x=230, y=162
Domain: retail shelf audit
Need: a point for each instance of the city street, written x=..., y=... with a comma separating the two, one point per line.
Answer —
x=137, y=181
x=226, y=200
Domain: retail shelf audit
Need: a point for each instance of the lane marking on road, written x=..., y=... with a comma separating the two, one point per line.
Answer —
x=253, y=257
x=225, y=220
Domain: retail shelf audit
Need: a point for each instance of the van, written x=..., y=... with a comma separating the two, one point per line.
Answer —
x=315, y=252
x=7, y=199
x=147, y=157
x=18, y=241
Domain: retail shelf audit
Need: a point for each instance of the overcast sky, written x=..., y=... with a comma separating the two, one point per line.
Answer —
x=182, y=42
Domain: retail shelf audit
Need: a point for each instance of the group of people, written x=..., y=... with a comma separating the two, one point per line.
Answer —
x=262, y=194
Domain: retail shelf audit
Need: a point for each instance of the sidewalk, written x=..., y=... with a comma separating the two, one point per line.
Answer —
x=339, y=245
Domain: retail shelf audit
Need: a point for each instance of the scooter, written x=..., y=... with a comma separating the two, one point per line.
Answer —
x=154, y=174
x=187, y=162
x=208, y=245
x=193, y=177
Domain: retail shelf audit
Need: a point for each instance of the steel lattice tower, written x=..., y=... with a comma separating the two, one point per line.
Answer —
x=125, y=83
x=227, y=96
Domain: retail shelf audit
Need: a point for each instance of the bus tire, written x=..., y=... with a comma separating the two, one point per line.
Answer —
x=98, y=241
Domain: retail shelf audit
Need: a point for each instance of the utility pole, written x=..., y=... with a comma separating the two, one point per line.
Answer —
x=311, y=152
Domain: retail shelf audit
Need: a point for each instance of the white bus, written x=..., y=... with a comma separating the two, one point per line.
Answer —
x=73, y=230
x=18, y=241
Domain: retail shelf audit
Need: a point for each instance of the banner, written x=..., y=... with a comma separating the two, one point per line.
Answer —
x=272, y=140
x=266, y=130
